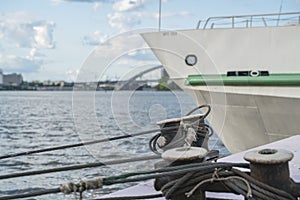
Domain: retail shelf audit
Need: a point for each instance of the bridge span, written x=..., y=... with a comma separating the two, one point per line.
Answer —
x=121, y=85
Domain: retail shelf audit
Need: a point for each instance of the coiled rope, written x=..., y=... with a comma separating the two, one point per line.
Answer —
x=201, y=129
x=200, y=107
x=237, y=181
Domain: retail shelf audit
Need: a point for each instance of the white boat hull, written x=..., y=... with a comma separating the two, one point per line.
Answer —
x=243, y=116
x=244, y=121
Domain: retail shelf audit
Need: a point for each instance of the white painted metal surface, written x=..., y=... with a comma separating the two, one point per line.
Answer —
x=226, y=49
x=243, y=117
x=292, y=144
x=244, y=121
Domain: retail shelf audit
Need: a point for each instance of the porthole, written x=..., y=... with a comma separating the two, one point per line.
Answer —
x=191, y=60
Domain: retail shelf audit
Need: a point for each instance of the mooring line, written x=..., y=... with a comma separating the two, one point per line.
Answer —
x=99, y=182
x=81, y=143
x=77, y=167
x=31, y=194
x=150, y=196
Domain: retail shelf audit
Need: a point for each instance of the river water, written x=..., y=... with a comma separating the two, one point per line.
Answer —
x=34, y=120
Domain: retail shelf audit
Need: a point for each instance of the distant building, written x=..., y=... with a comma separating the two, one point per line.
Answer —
x=48, y=83
x=12, y=79
x=1, y=77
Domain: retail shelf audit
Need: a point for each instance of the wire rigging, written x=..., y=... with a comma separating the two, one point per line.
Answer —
x=80, y=144
x=77, y=167
x=126, y=178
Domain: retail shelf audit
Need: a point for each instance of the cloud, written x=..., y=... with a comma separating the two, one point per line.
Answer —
x=165, y=14
x=81, y=1
x=28, y=34
x=126, y=21
x=128, y=45
x=43, y=35
x=176, y=14
x=127, y=5
x=123, y=21
x=96, y=39
x=97, y=3
x=23, y=31
x=113, y=57
x=35, y=54
x=12, y=63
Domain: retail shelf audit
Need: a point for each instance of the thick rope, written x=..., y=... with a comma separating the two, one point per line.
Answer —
x=265, y=187
x=189, y=179
x=77, y=167
x=123, y=178
x=235, y=180
x=82, y=186
x=151, y=196
x=207, y=168
x=213, y=179
x=198, y=108
x=31, y=194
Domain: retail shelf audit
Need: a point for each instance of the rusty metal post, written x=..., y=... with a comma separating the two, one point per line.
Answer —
x=270, y=166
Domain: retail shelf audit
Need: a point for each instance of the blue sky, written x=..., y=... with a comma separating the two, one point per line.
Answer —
x=50, y=39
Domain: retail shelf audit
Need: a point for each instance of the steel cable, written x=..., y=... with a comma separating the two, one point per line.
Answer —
x=123, y=178
x=81, y=144
x=77, y=167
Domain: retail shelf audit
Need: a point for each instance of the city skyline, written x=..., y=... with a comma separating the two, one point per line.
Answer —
x=51, y=39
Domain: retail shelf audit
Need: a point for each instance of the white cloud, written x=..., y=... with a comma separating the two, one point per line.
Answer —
x=25, y=32
x=129, y=45
x=22, y=30
x=123, y=21
x=127, y=5
x=176, y=14
x=43, y=35
x=165, y=14
x=126, y=21
x=56, y=2
x=96, y=39
x=13, y=63
x=35, y=54
x=116, y=56
x=32, y=53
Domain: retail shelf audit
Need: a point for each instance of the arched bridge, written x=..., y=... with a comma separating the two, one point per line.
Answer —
x=123, y=84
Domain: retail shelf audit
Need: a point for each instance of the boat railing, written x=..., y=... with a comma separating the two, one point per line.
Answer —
x=249, y=21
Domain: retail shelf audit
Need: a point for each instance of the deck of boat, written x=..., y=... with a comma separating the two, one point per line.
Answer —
x=292, y=144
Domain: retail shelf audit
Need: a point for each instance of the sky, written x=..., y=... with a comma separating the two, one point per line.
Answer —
x=51, y=39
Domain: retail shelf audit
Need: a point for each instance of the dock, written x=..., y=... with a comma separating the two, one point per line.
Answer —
x=291, y=144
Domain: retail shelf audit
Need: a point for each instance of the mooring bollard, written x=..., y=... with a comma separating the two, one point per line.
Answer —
x=270, y=166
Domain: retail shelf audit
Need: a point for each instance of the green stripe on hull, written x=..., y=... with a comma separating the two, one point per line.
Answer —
x=271, y=80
